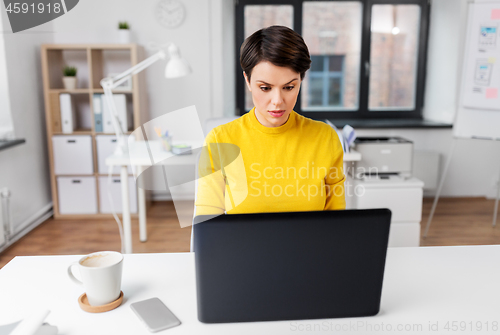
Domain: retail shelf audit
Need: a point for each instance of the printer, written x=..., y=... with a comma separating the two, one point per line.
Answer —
x=383, y=158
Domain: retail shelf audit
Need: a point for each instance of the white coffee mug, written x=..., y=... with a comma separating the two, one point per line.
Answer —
x=101, y=274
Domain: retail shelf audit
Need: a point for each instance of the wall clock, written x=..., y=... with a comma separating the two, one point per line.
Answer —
x=170, y=13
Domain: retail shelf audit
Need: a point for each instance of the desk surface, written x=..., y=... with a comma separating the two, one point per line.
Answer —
x=422, y=286
x=140, y=155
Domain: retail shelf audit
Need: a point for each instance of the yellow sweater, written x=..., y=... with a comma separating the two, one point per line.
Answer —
x=246, y=167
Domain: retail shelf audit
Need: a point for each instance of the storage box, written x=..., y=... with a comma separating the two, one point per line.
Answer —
x=77, y=195
x=72, y=154
x=116, y=195
x=106, y=145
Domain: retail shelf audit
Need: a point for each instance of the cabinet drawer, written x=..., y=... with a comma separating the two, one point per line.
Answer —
x=404, y=203
x=116, y=194
x=106, y=145
x=72, y=154
x=77, y=195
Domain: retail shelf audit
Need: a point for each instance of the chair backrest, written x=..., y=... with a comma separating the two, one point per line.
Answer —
x=209, y=125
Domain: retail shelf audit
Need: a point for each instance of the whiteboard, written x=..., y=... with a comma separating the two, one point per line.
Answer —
x=479, y=109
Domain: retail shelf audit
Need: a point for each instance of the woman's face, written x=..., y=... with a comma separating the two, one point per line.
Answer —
x=274, y=92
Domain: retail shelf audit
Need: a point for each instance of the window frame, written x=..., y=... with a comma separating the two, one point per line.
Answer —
x=362, y=112
x=327, y=75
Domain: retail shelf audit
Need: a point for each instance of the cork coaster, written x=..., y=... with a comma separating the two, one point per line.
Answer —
x=84, y=304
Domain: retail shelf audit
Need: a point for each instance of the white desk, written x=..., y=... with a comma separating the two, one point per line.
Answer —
x=141, y=157
x=422, y=286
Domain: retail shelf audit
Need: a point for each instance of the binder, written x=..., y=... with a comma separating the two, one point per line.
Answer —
x=68, y=113
x=121, y=109
x=98, y=113
x=107, y=125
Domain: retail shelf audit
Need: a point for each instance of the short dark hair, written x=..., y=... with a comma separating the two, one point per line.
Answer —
x=278, y=45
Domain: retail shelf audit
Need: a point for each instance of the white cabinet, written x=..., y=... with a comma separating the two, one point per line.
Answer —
x=116, y=194
x=402, y=196
x=404, y=200
x=72, y=154
x=106, y=145
x=77, y=195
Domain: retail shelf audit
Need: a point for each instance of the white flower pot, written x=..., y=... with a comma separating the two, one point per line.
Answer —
x=69, y=83
x=124, y=36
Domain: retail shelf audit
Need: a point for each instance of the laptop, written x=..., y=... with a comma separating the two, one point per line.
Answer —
x=290, y=266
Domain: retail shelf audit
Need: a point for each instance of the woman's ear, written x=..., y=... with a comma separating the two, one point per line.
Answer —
x=247, y=81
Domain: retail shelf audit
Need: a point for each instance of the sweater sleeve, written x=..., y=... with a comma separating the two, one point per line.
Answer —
x=334, y=181
x=211, y=182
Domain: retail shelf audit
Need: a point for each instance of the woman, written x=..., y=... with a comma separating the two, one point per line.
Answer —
x=271, y=159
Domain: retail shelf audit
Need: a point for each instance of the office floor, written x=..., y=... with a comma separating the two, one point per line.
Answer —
x=457, y=221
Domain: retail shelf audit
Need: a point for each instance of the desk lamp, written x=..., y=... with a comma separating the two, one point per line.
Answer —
x=176, y=67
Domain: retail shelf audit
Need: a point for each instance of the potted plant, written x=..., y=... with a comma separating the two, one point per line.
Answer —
x=69, y=78
x=123, y=32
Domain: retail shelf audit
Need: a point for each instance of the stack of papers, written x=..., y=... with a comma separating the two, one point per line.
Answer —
x=181, y=149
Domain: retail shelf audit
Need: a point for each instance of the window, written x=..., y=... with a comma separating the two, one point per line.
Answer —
x=6, y=123
x=326, y=82
x=368, y=56
x=333, y=29
x=393, y=57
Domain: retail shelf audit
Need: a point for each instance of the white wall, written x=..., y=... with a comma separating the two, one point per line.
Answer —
x=229, y=58
x=475, y=164
x=6, y=124
x=24, y=169
x=96, y=21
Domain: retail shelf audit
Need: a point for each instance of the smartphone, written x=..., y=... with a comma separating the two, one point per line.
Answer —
x=155, y=314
